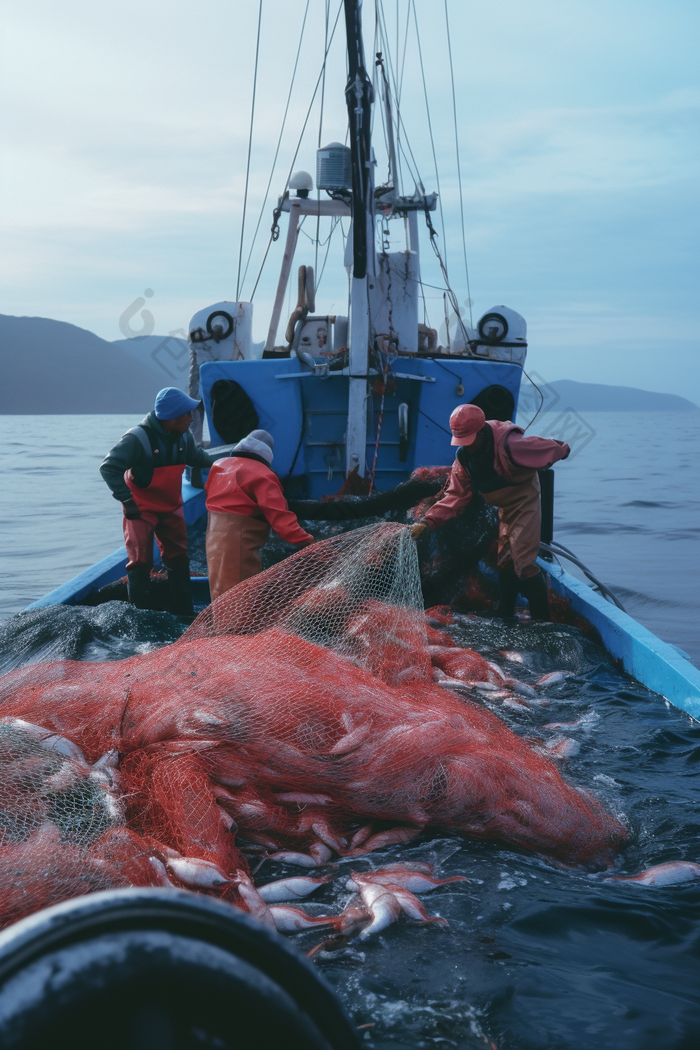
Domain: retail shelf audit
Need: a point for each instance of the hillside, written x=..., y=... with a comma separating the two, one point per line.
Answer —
x=53, y=367
x=597, y=397
x=50, y=367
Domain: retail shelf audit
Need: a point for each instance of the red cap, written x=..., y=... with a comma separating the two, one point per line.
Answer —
x=465, y=423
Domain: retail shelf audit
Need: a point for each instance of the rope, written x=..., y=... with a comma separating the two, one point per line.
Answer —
x=459, y=169
x=250, y=148
x=563, y=552
x=541, y=400
x=274, y=160
x=320, y=131
x=430, y=129
x=438, y=425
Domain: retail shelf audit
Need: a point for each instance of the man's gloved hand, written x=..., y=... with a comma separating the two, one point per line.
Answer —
x=305, y=543
x=131, y=510
x=418, y=529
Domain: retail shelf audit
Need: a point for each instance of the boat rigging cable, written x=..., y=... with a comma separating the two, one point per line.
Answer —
x=277, y=212
x=459, y=169
x=250, y=148
x=320, y=132
x=277, y=150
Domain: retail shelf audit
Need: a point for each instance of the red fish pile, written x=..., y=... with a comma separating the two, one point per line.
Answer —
x=298, y=719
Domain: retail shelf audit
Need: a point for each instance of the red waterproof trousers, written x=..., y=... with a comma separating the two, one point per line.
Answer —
x=170, y=532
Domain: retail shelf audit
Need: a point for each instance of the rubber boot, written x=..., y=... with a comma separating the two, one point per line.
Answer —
x=138, y=583
x=509, y=585
x=534, y=588
x=179, y=589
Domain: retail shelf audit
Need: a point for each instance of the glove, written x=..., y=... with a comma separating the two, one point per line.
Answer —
x=305, y=543
x=418, y=529
x=131, y=510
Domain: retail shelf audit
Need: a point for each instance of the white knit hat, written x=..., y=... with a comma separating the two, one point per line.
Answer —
x=259, y=442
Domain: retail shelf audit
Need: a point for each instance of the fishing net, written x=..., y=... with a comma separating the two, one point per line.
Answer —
x=299, y=712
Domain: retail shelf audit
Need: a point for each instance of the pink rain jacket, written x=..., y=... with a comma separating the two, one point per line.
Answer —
x=516, y=459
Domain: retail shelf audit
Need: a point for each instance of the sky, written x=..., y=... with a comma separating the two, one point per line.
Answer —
x=125, y=127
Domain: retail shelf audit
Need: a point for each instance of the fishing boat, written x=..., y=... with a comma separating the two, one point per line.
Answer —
x=364, y=397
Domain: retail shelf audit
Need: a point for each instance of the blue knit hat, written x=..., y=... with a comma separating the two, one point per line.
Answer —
x=171, y=403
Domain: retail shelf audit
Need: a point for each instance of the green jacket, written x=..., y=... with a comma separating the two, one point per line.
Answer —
x=167, y=449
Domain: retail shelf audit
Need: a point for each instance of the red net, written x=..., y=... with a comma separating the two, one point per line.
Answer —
x=297, y=709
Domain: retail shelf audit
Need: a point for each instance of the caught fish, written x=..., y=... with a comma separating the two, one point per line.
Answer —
x=199, y=874
x=350, y=741
x=160, y=872
x=321, y=853
x=382, y=906
x=672, y=873
x=584, y=722
x=361, y=836
x=304, y=798
x=288, y=919
x=48, y=739
x=386, y=838
x=386, y=902
x=562, y=747
x=254, y=903
x=301, y=860
x=520, y=687
x=295, y=888
x=553, y=678
x=512, y=656
x=401, y=875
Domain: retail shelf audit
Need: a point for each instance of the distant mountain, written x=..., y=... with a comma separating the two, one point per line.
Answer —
x=597, y=397
x=168, y=355
x=50, y=367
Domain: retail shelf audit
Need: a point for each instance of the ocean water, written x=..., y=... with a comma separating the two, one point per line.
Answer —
x=627, y=502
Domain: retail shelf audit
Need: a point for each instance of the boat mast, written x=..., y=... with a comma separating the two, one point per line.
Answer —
x=359, y=96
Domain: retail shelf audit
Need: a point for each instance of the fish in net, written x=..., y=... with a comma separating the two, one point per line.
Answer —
x=299, y=714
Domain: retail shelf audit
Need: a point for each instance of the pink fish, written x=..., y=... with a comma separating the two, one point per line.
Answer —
x=562, y=747
x=382, y=906
x=385, y=838
x=288, y=919
x=329, y=837
x=400, y=875
x=350, y=741
x=304, y=798
x=290, y=889
x=361, y=836
x=320, y=852
x=199, y=874
x=671, y=873
x=254, y=903
x=386, y=902
x=553, y=678
x=160, y=872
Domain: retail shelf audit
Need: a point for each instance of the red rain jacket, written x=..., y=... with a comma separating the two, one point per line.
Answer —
x=516, y=458
x=238, y=485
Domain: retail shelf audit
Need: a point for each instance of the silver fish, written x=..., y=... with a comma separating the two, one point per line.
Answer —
x=671, y=873
x=294, y=888
x=288, y=919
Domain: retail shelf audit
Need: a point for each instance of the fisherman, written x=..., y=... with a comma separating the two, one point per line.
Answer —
x=244, y=500
x=497, y=460
x=144, y=471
